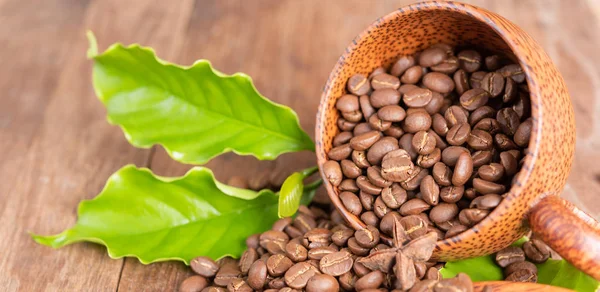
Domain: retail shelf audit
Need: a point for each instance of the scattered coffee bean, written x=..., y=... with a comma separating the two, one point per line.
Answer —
x=509, y=255
x=322, y=283
x=536, y=251
x=193, y=284
x=204, y=266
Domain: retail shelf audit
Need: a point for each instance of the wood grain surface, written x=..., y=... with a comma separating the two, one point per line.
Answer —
x=58, y=149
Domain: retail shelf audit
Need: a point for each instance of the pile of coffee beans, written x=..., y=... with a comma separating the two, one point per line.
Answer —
x=518, y=262
x=317, y=251
x=439, y=135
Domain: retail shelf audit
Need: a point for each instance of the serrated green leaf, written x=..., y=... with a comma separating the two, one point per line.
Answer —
x=196, y=112
x=561, y=273
x=479, y=269
x=155, y=218
x=292, y=192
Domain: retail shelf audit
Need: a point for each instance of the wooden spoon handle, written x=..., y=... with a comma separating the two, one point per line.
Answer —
x=569, y=231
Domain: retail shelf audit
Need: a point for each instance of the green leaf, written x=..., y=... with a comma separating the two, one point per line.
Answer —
x=561, y=273
x=292, y=191
x=157, y=219
x=479, y=269
x=195, y=112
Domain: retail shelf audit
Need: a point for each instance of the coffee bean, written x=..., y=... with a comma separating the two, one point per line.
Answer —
x=383, y=80
x=442, y=174
x=273, y=241
x=432, y=56
x=458, y=134
x=415, y=178
x=351, y=202
x=489, y=125
x=480, y=114
x=424, y=286
x=414, y=226
x=358, y=84
x=474, y=98
x=509, y=162
x=480, y=140
x=417, y=121
x=365, y=106
x=463, y=169
x=414, y=207
x=436, y=103
x=443, y=212
x=481, y=157
x=440, y=125
x=405, y=272
x=278, y=264
x=448, y=66
x=340, y=152
x=405, y=88
x=333, y=172
x=348, y=185
x=510, y=91
x=492, y=62
x=451, y=154
x=493, y=83
x=380, y=208
x=342, y=138
x=393, y=196
x=319, y=252
x=430, y=191
x=367, y=237
x=355, y=248
x=455, y=230
x=318, y=237
x=397, y=166
x=394, y=131
x=361, y=128
x=522, y=275
x=369, y=218
x=403, y=63
x=238, y=285
x=298, y=275
x=405, y=143
x=378, y=124
x=470, y=194
x=513, y=71
x=277, y=283
x=376, y=71
x=370, y=281
x=418, y=97
x=536, y=251
x=520, y=266
x=492, y=172
x=295, y=251
x=461, y=81
x=366, y=186
x=439, y=142
x=509, y=255
x=469, y=60
x=452, y=194
x=248, y=257
x=347, y=281
x=487, y=187
x=304, y=223
x=386, y=96
x=421, y=248
x=522, y=106
x=423, y=142
x=461, y=282
x=503, y=142
x=347, y=103
x=412, y=75
x=438, y=82
x=380, y=149
x=364, y=141
x=455, y=115
x=509, y=121
x=486, y=202
x=387, y=222
x=193, y=284
x=349, y=169
x=374, y=176
x=391, y=113
x=204, y=266
x=322, y=283
x=472, y=216
x=227, y=273
x=429, y=160
x=360, y=269
x=476, y=79
x=252, y=241
x=523, y=133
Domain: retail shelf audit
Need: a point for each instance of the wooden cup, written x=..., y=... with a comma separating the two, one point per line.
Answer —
x=533, y=200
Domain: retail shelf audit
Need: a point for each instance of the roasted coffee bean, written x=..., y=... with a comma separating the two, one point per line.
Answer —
x=522, y=106
x=435, y=105
x=503, y=142
x=448, y=66
x=364, y=141
x=405, y=143
x=509, y=162
x=418, y=97
x=417, y=121
x=366, y=186
x=278, y=264
x=450, y=155
x=432, y=56
x=415, y=178
x=391, y=113
x=380, y=149
x=442, y=174
x=204, y=266
x=378, y=124
x=360, y=269
x=472, y=216
x=481, y=157
x=296, y=251
x=414, y=226
x=369, y=218
x=358, y=84
x=523, y=133
x=371, y=280
x=374, y=176
x=536, y=251
x=387, y=222
x=380, y=208
x=349, y=169
x=405, y=88
x=348, y=185
x=492, y=62
x=355, y=248
x=383, y=80
x=347, y=103
x=489, y=125
x=480, y=114
x=522, y=275
x=318, y=237
x=342, y=138
x=298, y=275
x=439, y=142
x=414, y=207
x=452, y=194
x=238, y=285
x=382, y=97
x=510, y=91
x=340, y=152
x=458, y=134
x=376, y=71
x=393, y=196
x=365, y=106
x=474, y=98
x=394, y=131
x=319, y=252
x=347, y=281
x=277, y=283
x=366, y=200
x=469, y=60
x=463, y=169
x=509, y=255
x=423, y=142
x=227, y=273
x=492, y=172
x=351, y=202
x=480, y=140
x=520, y=266
x=455, y=230
x=455, y=115
x=367, y=237
x=397, y=166
x=361, y=128
x=493, y=83
x=402, y=64
x=438, y=82
x=322, y=283
x=292, y=232
x=513, y=71
x=487, y=187
x=412, y=75
x=429, y=160
x=193, y=284
x=252, y=241
x=353, y=117
x=443, y=212
x=509, y=121
x=486, y=202
x=248, y=257
x=461, y=282
x=360, y=158
x=304, y=223
x=333, y=172
x=461, y=81
x=430, y=191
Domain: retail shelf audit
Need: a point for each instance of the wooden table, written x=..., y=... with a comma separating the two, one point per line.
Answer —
x=58, y=148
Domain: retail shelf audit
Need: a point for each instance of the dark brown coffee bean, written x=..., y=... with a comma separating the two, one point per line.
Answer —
x=442, y=174
x=463, y=169
x=440, y=125
x=469, y=60
x=439, y=142
x=493, y=83
x=274, y=241
x=480, y=114
x=450, y=155
x=523, y=133
x=252, y=241
x=340, y=237
x=347, y=103
x=378, y=124
x=351, y=202
x=509, y=121
x=438, y=82
x=430, y=191
x=393, y=196
x=403, y=63
x=238, y=285
x=456, y=115
x=510, y=91
x=492, y=62
x=435, y=105
x=509, y=255
x=277, y=283
x=387, y=222
x=470, y=194
x=522, y=105
x=369, y=218
x=397, y=166
x=443, y=212
x=298, y=275
x=414, y=226
x=366, y=186
x=347, y=281
x=322, y=283
x=513, y=71
x=353, y=117
x=193, y=284
x=319, y=252
x=458, y=134
x=415, y=178
x=340, y=152
x=380, y=208
x=349, y=169
x=509, y=162
x=522, y=275
x=405, y=272
x=333, y=172
x=492, y=172
x=383, y=97
x=342, y=138
x=356, y=249
x=455, y=230
x=486, y=202
x=394, y=131
x=405, y=143
x=360, y=158
x=391, y=113
x=364, y=141
x=358, y=84
x=536, y=251
x=204, y=266
x=481, y=157
x=412, y=75
x=429, y=160
x=365, y=106
x=248, y=257
x=417, y=121
x=318, y=237
x=370, y=281
x=503, y=142
x=227, y=273
x=448, y=66
x=480, y=140
x=360, y=269
x=432, y=56
x=452, y=194
x=474, y=98
x=278, y=264
x=376, y=71
x=366, y=200
x=472, y=216
x=374, y=176
x=381, y=81
x=380, y=149
x=476, y=79
x=461, y=81
x=295, y=251
x=487, y=187
x=348, y=185
x=414, y=207
x=423, y=142
x=361, y=128
x=520, y=266
x=293, y=232
x=489, y=125
x=367, y=237
x=418, y=97
x=304, y=223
